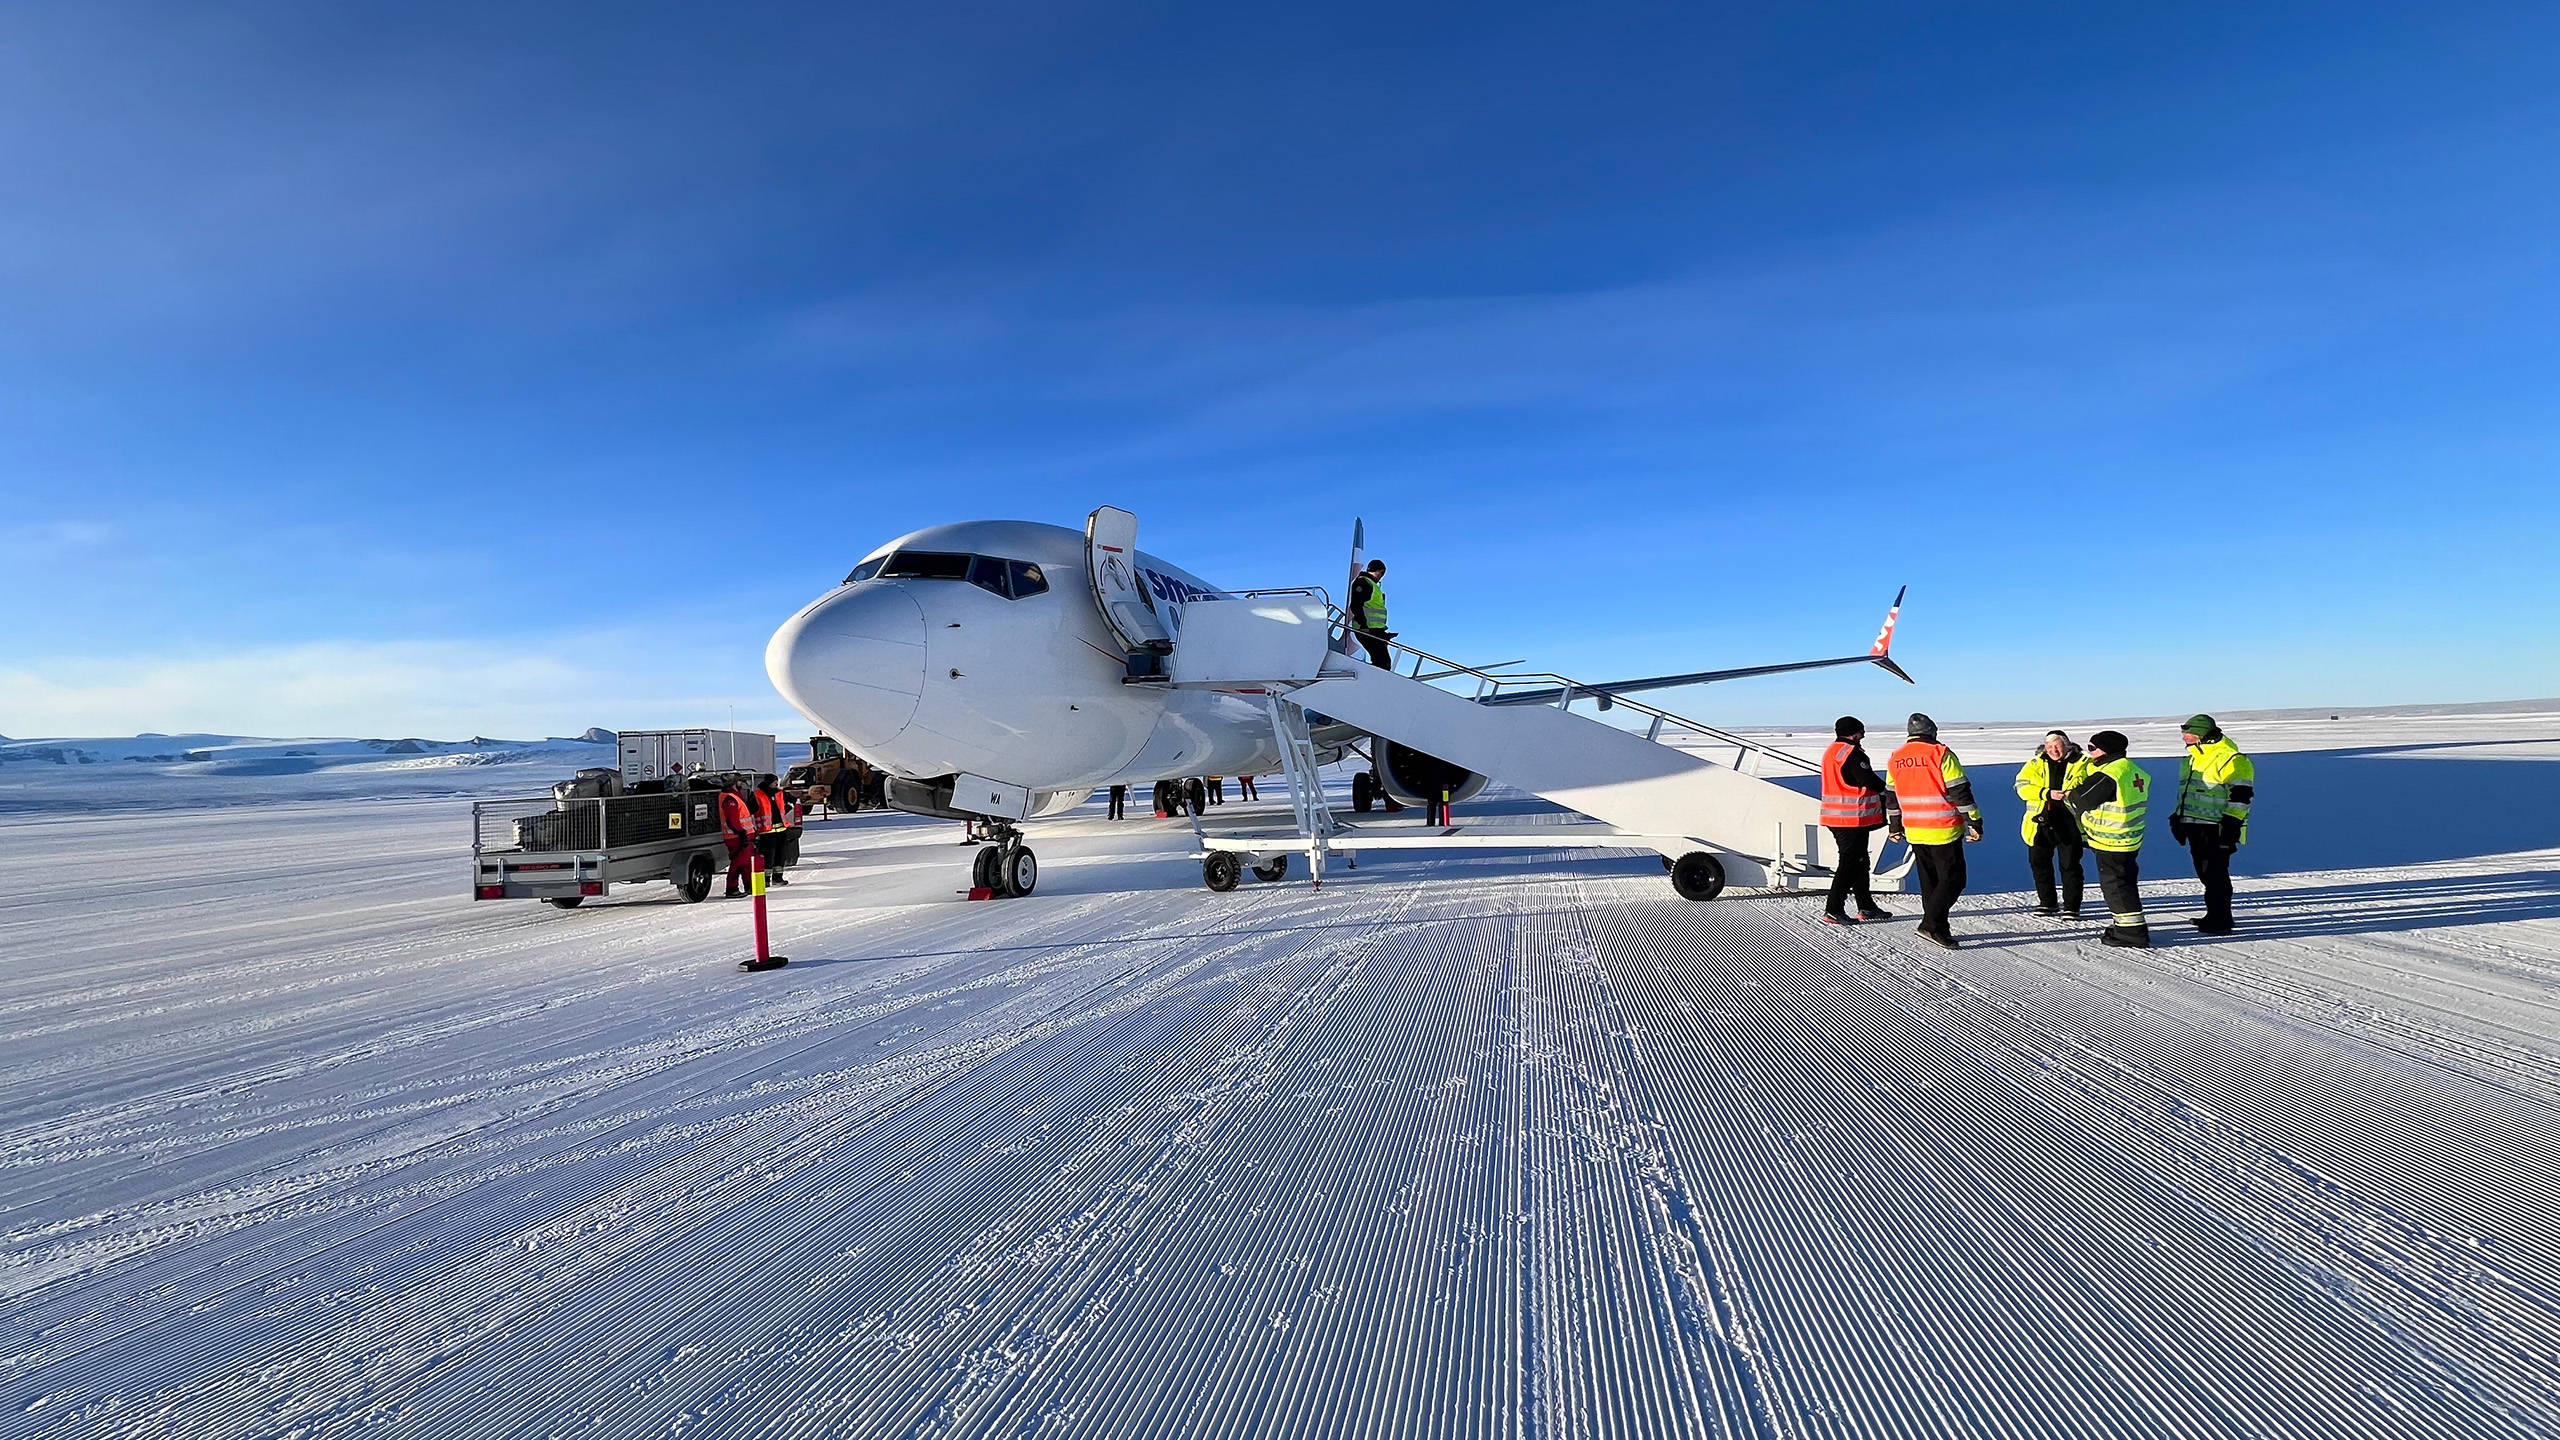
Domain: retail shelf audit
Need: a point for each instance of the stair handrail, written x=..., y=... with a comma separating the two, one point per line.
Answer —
x=1570, y=689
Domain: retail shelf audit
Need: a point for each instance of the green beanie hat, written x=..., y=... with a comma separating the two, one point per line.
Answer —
x=2201, y=725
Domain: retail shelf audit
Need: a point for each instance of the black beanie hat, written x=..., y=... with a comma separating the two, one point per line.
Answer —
x=2110, y=741
x=1848, y=727
x=1921, y=726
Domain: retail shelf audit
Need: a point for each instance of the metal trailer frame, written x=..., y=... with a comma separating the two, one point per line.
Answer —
x=583, y=847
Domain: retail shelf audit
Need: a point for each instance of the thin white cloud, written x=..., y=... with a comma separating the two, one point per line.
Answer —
x=49, y=537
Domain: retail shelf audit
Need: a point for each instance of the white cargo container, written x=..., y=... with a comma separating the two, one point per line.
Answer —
x=650, y=754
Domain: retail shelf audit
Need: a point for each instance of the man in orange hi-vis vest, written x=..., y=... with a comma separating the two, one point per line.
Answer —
x=1939, y=818
x=738, y=827
x=1854, y=799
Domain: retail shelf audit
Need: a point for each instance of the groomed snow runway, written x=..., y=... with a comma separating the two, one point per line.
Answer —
x=297, y=1140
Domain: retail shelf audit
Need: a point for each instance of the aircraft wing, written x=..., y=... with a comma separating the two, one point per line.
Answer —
x=1880, y=654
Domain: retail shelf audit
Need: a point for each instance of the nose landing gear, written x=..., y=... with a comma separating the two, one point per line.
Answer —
x=1007, y=868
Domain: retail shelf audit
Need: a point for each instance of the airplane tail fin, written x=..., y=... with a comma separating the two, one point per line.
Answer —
x=1882, y=651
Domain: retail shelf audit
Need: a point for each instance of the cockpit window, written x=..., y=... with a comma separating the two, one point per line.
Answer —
x=987, y=573
x=1013, y=579
x=925, y=565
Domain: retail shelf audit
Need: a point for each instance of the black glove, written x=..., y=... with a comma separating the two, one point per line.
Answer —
x=2231, y=832
x=2178, y=829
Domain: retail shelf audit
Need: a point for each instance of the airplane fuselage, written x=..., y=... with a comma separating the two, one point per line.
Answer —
x=977, y=648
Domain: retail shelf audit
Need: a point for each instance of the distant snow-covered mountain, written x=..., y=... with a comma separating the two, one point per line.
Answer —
x=140, y=772
x=200, y=749
x=157, y=771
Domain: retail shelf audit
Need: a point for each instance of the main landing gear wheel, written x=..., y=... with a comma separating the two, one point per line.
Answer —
x=1007, y=867
x=1019, y=869
x=1364, y=791
x=1275, y=868
x=695, y=887
x=1698, y=876
x=1221, y=870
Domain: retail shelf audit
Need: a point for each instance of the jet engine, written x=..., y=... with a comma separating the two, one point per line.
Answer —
x=1410, y=777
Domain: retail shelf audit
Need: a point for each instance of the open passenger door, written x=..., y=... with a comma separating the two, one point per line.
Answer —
x=1111, y=563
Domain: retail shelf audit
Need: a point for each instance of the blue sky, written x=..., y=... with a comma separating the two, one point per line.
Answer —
x=515, y=369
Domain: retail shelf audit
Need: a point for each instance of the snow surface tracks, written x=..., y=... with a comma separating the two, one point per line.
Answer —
x=1446, y=1149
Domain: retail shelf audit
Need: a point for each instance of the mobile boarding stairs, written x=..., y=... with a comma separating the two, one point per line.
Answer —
x=1714, y=824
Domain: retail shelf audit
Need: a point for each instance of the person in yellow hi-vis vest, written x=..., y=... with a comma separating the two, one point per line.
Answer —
x=1938, y=816
x=2111, y=805
x=2216, y=786
x=2051, y=831
x=1367, y=606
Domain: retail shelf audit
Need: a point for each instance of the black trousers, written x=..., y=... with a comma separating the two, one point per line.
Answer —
x=1376, y=644
x=1850, y=878
x=2120, y=880
x=2213, y=867
x=1119, y=801
x=1941, y=881
x=2048, y=849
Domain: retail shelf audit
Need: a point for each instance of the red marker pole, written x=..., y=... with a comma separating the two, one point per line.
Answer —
x=764, y=959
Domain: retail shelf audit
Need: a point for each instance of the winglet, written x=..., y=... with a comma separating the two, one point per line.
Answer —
x=1884, y=637
x=1882, y=651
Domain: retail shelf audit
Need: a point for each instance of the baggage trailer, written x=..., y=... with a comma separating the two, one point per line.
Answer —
x=568, y=850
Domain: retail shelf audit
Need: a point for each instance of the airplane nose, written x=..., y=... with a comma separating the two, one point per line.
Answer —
x=853, y=662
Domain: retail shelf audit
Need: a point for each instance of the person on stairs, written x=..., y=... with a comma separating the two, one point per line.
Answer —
x=1368, y=610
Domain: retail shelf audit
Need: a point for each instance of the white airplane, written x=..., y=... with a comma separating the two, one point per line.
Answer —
x=999, y=670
